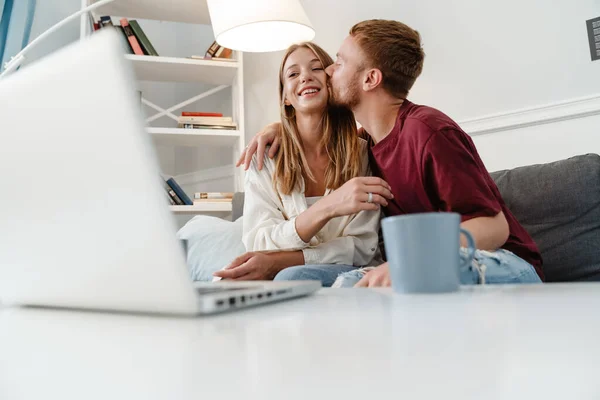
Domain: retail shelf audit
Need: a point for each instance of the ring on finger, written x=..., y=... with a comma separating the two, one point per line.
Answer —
x=370, y=199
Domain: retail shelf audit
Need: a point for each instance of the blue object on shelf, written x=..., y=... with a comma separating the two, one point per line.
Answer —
x=179, y=191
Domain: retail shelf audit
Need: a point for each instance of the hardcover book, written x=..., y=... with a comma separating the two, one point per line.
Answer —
x=142, y=38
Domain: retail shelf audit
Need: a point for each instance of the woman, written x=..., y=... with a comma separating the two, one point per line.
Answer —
x=299, y=201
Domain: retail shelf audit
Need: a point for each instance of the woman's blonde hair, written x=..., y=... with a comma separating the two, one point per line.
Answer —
x=339, y=138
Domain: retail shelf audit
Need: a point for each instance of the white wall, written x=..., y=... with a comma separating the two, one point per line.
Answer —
x=481, y=58
x=539, y=144
x=47, y=13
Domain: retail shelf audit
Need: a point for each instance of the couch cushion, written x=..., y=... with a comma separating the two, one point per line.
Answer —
x=559, y=205
x=212, y=243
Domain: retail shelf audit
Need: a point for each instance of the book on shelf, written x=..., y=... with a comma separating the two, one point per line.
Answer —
x=215, y=127
x=200, y=114
x=105, y=21
x=204, y=201
x=125, y=42
x=210, y=58
x=94, y=24
x=139, y=44
x=177, y=197
x=179, y=191
x=213, y=195
x=205, y=122
x=135, y=45
x=223, y=52
x=170, y=200
x=216, y=51
x=175, y=200
x=212, y=49
x=142, y=38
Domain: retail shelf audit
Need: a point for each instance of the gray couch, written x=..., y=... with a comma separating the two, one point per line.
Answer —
x=559, y=205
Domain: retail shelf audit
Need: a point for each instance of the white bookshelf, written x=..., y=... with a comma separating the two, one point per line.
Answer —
x=173, y=69
x=188, y=11
x=213, y=208
x=194, y=137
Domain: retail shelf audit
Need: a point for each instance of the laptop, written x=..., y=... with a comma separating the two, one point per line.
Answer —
x=83, y=218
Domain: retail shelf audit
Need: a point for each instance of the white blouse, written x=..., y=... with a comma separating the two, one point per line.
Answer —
x=269, y=222
x=312, y=200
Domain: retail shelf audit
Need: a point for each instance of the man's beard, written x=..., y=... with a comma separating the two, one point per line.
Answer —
x=349, y=97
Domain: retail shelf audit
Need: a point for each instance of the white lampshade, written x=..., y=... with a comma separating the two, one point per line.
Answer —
x=259, y=25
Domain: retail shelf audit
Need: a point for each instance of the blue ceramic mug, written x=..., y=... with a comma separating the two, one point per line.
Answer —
x=423, y=251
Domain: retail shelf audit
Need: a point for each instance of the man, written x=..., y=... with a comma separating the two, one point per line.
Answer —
x=428, y=161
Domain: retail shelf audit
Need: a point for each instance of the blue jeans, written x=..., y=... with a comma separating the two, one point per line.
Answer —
x=501, y=266
x=326, y=273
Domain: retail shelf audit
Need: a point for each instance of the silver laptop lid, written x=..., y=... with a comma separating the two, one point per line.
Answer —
x=83, y=220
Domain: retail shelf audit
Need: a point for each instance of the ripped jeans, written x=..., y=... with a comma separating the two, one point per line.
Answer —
x=500, y=266
x=491, y=267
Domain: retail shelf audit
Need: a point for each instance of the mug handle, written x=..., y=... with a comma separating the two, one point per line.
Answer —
x=471, y=245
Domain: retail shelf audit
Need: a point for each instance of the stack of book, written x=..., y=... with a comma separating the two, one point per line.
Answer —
x=177, y=197
x=205, y=120
x=175, y=194
x=213, y=197
x=135, y=40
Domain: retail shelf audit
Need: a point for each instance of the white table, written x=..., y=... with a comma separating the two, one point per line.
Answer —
x=540, y=342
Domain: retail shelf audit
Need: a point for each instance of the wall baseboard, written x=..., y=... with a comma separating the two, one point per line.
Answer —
x=571, y=109
x=206, y=175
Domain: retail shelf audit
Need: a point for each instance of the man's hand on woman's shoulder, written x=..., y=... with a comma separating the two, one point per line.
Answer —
x=258, y=144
